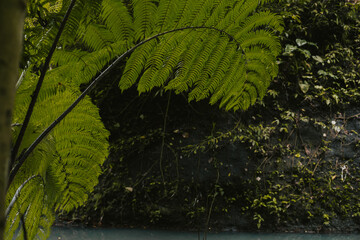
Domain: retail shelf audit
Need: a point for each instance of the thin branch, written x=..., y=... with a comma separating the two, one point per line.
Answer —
x=35, y=94
x=17, y=194
x=212, y=204
x=23, y=157
x=163, y=139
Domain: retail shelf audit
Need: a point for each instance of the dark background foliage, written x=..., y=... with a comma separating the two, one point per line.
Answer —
x=289, y=163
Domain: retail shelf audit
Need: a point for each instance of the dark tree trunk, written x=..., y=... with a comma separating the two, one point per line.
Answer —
x=12, y=14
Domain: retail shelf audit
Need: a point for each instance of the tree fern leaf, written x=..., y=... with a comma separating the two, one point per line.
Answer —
x=265, y=57
x=192, y=10
x=180, y=10
x=72, y=24
x=160, y=64
x=53, y=160
x=97, y=37
x=165, y=14
x=261, y=38
x=144, y=14
x=80, y=18
x=209, y=69
x=216, y=80
x=266, y=19
x=117, y=18
x=216, y=13
x=239, y=11
x=168, y=58
x=188, y=59
x=234, y=78
x=135, y=65
x=199, y=62
x=87, y=67
x=208, y=11
x=66, y=57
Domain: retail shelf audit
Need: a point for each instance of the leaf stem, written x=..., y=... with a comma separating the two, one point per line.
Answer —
x=35, y=94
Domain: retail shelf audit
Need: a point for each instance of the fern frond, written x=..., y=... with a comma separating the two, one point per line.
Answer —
x=261, y=19
x=237, y=14
x=144, y=14
x=117, y=18
x=88, y=65
x=209, y=69
x=97, y=37
x=65, y=57
x=135, y=65
x=216, y=14
x=29, y=207
x=68, y=164
x=261, y=38
x=165, y=14
x=233, y=79
x=79, y=19
x=192, y=10
x=265, y=57
x=192, y=68
x=165, y=59
x=212, y=77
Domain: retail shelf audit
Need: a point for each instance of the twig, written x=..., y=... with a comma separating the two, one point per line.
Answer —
x=212, y=204
x=163, y=140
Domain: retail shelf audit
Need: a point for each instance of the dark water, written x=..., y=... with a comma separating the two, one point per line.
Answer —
x=74, y=233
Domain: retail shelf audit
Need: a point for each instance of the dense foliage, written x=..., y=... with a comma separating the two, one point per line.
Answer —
x=64, y=168
x=152, y=44
x=300, y=165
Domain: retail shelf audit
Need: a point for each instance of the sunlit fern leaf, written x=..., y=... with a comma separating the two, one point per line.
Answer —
x=144, y=14
x=262, y=38
x=29, y=207
x=68, y=163
x=65, y=57
x=97, y=37
x=80, y=17
x=135, y=65
x=238, y=13
x=159, y=64
x=117, y=18
x=164, y=61
x=265, y=57
x=192, y=10
x=190, y=60
x=268, y=19
x=194, y=68
x=233, y=79
x=209, y=69
x=87, y=66
x=77, y=143
x=215, y=13
x=214, y=71
x=165, y=14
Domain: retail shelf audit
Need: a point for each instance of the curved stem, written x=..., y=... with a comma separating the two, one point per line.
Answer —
x=35, y=94
x=23, y=156
x=17, y=194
